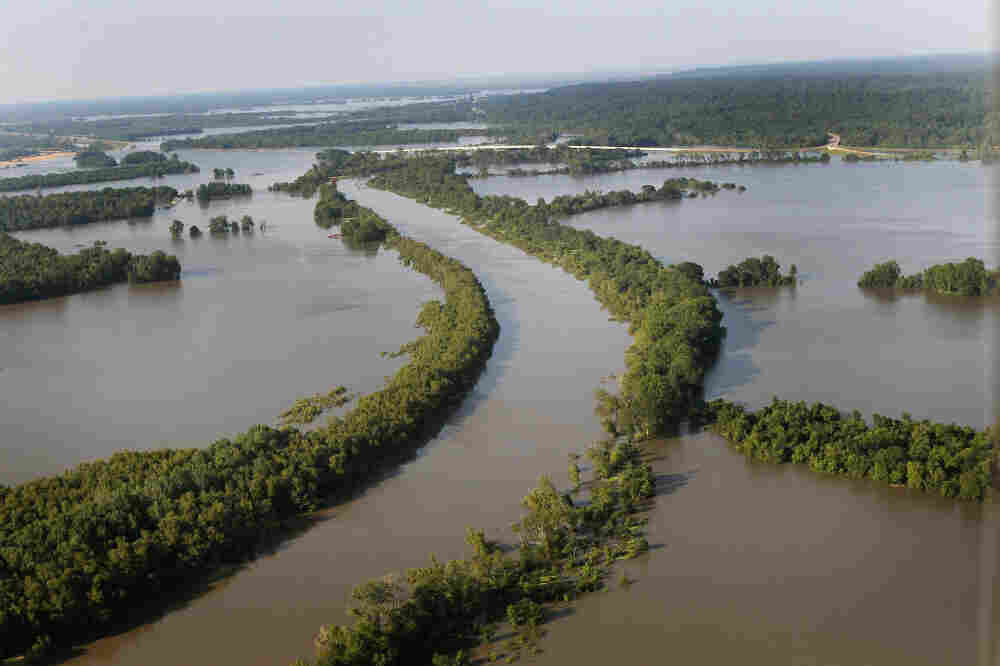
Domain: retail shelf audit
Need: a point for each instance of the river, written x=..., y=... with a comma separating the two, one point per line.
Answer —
x=750, y=562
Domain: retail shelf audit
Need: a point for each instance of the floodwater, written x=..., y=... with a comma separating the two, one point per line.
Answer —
x=533, y=406
x=759, y=564
x=751, y=563
x=256, y=321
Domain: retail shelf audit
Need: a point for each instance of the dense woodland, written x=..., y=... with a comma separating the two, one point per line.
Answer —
x=950, y=460
x=69, y=208
x=79, y=551
x=83, y=176
x=357, y=133
x=753, y=272
x=967, y=278
x=31, y=271
x=674, y=318
x=942, y=103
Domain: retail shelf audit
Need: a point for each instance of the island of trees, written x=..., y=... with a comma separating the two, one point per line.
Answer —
x=966, y=278
x=753, y=272
x=82, y=549
x=69, y=208
x=220, y=190
x=31, y=271
x=151, y=169
x=94, y=159
x=950, y=460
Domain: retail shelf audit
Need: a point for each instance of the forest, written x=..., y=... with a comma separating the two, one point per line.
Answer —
x=83, y=176
x=20, y=213
x=877, y=104
x=80, y=550
x=356, y=133
x=32, y=271
x=675, y=320
x=966, y=278
x=950, y=460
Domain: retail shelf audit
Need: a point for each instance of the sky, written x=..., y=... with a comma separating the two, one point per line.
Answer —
x=62, y=49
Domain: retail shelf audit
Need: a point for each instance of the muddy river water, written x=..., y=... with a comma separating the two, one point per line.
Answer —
x=752, y=563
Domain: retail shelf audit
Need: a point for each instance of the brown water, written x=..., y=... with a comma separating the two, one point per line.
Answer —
x=751, y=563
x=757, y=564
x=256, y=321
x=532, y=407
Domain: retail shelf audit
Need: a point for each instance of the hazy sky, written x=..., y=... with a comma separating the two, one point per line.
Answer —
x=66, y=49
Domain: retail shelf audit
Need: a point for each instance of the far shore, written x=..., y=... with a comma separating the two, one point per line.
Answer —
x=37, y=158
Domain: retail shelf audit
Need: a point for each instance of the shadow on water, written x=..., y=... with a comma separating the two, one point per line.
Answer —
x=734, y=366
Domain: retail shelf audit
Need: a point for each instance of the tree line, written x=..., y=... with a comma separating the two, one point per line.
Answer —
x=950, y=460
x=966, y=278
x=32, y=271
x=84, y=176
x=915, y=105
x=80, y=550
x=25, y=212
x=354, y=133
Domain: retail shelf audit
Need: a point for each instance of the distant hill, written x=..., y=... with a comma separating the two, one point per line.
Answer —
x=921, y=102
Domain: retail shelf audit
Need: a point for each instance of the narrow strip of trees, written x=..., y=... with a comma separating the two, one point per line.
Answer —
x=966, y=278
x=84, y=176
x=24, y=212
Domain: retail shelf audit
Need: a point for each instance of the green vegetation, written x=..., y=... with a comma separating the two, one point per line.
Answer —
x=94, y=159
x=69, y=208
x=83, y=176
x=675, y=320
x=968, y=278
x=951, y=460
x=358, y=133
x=220, y=224
x=136, y=128
x=144, y=157
x=335, y=162
x=567, y=548
x=907, y=103
x=81, y=550
x=587, y=160
x=217, y=190
x=357, y=223
x=753, y=272
x=31, y=271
